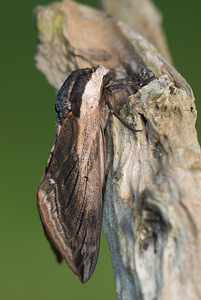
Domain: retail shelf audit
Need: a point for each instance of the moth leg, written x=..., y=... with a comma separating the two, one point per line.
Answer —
x=119, y=118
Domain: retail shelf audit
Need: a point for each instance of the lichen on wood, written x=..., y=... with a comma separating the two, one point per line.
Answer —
x=152, y=209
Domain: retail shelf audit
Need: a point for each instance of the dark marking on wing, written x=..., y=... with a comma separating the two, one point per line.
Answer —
x=69, y=97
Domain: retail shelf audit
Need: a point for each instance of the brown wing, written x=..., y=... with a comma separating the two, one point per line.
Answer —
x=69, y=199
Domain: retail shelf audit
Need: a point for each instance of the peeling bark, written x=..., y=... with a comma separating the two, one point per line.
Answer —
x=152, y=207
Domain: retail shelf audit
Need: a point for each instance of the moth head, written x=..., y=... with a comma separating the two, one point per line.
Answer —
x=104, y=75
x=107, y=78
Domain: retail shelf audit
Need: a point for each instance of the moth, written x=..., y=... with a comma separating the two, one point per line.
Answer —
x=69, y=196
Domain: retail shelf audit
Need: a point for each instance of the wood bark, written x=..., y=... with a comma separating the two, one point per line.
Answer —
x=152, y=206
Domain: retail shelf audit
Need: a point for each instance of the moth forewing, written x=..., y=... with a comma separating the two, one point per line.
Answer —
x=69, y=196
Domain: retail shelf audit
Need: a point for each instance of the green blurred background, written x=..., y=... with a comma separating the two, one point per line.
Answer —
x=28, y=269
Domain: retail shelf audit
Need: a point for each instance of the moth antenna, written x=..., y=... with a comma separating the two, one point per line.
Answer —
x=72, y=52
x=119, y=118
x=82, y=57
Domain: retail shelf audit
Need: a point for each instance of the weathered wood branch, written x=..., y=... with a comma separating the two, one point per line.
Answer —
x=152, y=202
